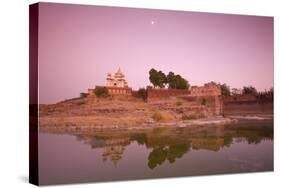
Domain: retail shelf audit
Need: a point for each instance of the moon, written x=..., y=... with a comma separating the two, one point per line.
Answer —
x=152, y=22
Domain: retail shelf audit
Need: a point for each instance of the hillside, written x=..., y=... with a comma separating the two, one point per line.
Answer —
x=91, y=112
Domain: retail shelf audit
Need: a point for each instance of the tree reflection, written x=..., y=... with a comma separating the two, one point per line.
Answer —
x=160, y=154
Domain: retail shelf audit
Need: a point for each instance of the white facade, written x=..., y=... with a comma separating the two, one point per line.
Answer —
x=118, y=80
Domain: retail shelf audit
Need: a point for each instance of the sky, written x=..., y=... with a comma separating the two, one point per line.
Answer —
x=80, y=44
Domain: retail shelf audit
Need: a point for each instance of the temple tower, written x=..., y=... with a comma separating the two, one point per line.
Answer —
x=118, y=80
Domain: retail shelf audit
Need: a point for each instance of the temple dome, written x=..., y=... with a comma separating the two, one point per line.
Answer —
x=118, y=80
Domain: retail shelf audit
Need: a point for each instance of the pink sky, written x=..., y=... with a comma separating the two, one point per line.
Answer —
x=79, y=45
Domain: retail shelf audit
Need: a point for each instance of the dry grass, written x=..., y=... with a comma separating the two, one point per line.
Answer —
x=178, y=103
x=162, y=116
x=193, y=116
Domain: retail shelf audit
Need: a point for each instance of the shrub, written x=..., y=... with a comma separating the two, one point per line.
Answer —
x=82, y=95
x=188, y=117
x=101, y=91
x=204, y=102
x=178, y=103
x=157, y=116
x=201, y=115
x=80, y=102
x=163, y=116
x=142, y=93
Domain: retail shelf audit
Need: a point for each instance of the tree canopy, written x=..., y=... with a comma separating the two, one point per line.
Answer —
x=249, y=90
x=225, y=90
x=159, y=79
x=101, y=91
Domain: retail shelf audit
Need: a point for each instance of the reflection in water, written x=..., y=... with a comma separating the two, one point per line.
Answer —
x=152, y=153
x=158, y=155
x=114, y=148
x=170, y=144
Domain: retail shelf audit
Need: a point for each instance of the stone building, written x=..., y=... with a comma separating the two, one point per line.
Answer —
x=117, y=84
x=118, y=80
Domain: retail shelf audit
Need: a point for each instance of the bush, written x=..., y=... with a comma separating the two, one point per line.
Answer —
x=192, y=116
x=82, y=95
x=142, y=93
x=178, y=103
x=188, y=117
x=204, y=102
x=201, y=116
x=101, y=91
x=157, y=116
x=163, y=116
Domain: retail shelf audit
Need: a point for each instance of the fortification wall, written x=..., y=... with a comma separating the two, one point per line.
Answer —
x=261, y=103
x=154, y=94
x=247, y=108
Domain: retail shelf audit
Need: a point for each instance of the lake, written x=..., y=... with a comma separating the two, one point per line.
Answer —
x=111, y=155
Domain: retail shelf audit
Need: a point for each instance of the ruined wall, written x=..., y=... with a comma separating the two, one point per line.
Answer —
x=247, y=108
x=261, y=103
x=209, y=89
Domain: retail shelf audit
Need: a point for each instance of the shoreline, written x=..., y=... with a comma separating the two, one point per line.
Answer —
x=212, y=121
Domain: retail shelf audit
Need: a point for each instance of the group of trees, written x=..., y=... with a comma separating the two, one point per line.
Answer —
x=225, y=90
x=249, y=90
x=172, y=80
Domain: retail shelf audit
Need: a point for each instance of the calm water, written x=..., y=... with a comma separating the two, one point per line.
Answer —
x=246, y=146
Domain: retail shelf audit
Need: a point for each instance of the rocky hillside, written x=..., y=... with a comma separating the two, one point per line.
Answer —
x=108, y=112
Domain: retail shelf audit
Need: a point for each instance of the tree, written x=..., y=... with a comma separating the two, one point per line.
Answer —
x=249, y=90
x=171, y=80
x=142, y=93
x=181, y=83
x=159, y=79
x=225, y=90
x=162, y=79
x=101, y=91
x=176, y=81
x=153, y=77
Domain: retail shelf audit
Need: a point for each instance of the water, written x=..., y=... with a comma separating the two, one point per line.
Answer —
x=91, y=156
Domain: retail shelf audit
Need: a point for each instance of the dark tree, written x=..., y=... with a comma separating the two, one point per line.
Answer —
x=162, y=79
x=159, y=79
x=249, y=90
x=171, y=79
x=176, y=81
x=142, y=93
x=225, y=90
x=181, y=83
x=153, y=77
x=101, y=91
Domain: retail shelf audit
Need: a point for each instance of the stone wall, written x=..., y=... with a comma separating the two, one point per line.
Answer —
x=209, y=89
x=119, y=90
x=247, y=108
x=240, y=98
x=153, y=94
x=260, y=103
